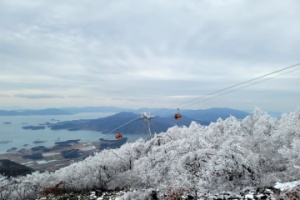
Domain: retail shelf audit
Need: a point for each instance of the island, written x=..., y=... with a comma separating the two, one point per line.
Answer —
x=5, y=141
x=34, y=127
x=39, y=141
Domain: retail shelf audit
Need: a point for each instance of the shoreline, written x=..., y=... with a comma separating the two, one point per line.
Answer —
x=62, y=154
x=53, y=158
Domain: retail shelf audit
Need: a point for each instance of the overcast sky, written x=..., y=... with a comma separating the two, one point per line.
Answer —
x=148, y=53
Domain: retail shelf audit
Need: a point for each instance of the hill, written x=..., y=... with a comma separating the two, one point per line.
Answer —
x=105, y=125
x=158, y=124
x=10, y=168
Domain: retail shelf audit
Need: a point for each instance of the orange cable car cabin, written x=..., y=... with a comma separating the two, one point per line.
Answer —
x=119, y=136
x=177, y=116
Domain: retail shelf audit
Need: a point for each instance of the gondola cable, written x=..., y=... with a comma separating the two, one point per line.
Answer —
x=232, y=86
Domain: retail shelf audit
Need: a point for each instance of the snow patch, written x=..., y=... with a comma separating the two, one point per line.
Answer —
x=287, y=186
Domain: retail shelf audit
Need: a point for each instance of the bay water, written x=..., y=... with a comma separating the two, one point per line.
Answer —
x=12, y=135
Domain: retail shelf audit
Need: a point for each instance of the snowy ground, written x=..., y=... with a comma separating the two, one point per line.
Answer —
x=287, y=186
x=278, y=192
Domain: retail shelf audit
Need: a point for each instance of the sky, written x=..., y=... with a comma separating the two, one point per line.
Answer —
x=148, y=53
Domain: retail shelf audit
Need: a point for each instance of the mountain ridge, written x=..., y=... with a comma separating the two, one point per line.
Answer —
x=158, y=124
x=29, y=112
x=77, y=110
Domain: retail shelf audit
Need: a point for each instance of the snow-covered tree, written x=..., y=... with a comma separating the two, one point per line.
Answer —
x=225, y=155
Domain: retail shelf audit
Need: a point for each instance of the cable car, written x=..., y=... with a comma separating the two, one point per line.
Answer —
x=119, y=136
x=177, y=116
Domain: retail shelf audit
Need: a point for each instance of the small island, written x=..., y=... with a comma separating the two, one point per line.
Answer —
x=5, y=141
x=34, y=127
x=7, y=123
x=36, y=156
x=64, y=144
x=14, y=149
x=40, y=148
x=39, y=141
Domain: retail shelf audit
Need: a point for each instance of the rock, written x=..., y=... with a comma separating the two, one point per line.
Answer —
x=261, y=196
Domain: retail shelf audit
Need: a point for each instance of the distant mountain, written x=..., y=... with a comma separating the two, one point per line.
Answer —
x=208, y=115
x=164, y=120
x=48, y=111
x=76, y=110
x=107, y=124
x=10, y=168
x=158, y=124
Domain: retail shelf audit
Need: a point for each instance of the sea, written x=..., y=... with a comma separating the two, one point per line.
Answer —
x=12, y=135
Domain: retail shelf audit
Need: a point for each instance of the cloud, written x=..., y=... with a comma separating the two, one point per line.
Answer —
x=141, y=49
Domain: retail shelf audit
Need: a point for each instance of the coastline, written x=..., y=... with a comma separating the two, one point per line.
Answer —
x=63, y=153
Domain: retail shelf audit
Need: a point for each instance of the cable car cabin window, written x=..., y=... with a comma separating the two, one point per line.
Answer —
x=119, y=136
x=177, y=116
